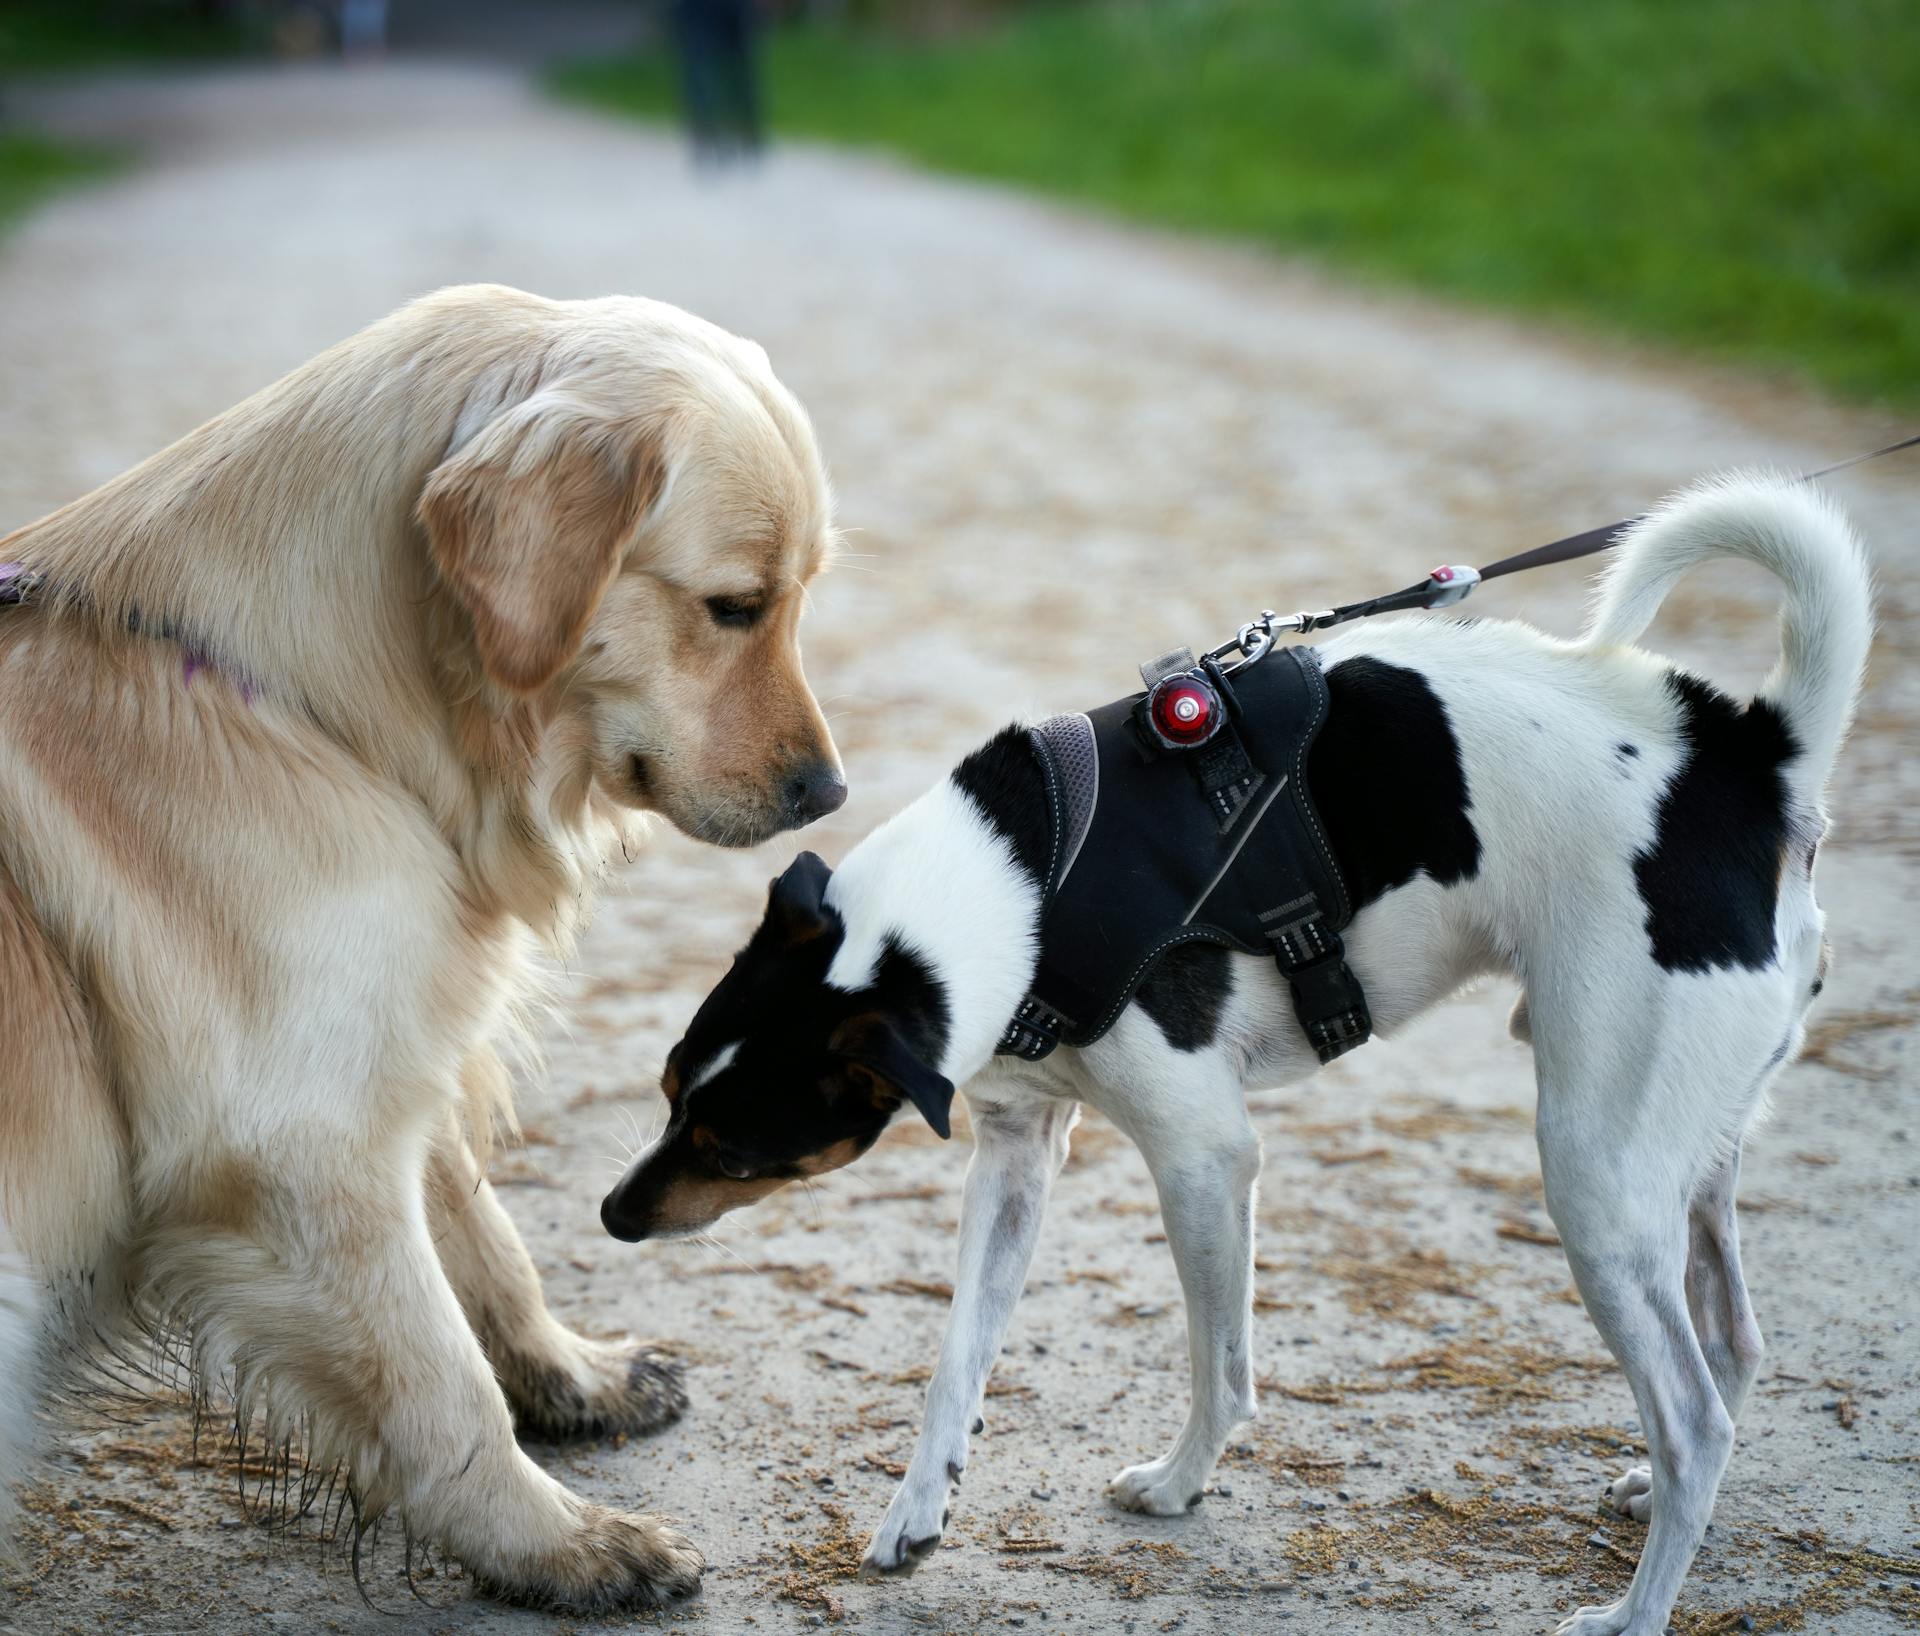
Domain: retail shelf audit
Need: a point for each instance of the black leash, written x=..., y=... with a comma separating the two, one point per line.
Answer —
x=1446, y=586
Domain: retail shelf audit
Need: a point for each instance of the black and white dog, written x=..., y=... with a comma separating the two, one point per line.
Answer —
x=1632, y=845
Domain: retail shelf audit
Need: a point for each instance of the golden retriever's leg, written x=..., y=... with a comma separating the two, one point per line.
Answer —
x=63, y=1197
x=313, y=1282
x=560, y=1385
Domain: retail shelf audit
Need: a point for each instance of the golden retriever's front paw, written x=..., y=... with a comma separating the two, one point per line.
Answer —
x=593, y=1389
x=613, y=1560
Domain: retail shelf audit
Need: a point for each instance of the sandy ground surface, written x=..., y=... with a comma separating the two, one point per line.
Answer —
x=1059, y=446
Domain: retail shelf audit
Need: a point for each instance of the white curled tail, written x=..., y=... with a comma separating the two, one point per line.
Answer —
x=1826, y=621
x=19, y=1371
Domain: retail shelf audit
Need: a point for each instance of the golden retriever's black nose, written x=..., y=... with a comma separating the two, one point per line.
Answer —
x=815, y=793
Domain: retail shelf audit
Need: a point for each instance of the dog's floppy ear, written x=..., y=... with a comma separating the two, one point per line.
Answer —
x=797, y=900
x=526, y=522
x=873, y=1048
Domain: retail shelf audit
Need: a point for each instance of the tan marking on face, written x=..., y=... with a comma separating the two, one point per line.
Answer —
x=693, y=1202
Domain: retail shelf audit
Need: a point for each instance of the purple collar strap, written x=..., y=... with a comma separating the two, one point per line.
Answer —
x=18, y=583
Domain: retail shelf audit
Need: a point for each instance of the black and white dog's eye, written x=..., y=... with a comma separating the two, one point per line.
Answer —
x=739, y=611
x=731, y=1164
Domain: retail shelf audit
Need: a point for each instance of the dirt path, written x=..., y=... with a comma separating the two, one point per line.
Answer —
x=1059, y=446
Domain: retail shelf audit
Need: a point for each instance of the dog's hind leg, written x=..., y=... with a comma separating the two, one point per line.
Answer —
x=559, y=1384
x=1717, y=1290
x=1020, y=1143
x=1723, y=1320
x=1192, y=1128
x=1629, y=1130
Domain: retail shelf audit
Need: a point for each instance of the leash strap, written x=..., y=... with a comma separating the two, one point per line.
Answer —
x=1446, y=586
x=1598, y=539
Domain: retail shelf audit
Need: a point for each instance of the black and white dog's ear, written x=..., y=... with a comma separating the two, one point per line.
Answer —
x=796, y=903
x=874, y=1046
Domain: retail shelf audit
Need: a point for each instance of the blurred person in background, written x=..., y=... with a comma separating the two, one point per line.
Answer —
x=720, y=75
x=363, y=29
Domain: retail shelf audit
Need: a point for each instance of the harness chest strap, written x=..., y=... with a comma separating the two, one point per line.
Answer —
x=1221, y=844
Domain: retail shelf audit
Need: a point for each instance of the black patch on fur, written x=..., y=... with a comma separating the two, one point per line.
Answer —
x=1628, y=750
x=1186, y=992
x=787, y=1096
x=1711, y=878
x=1004, y=778
x=1386, y=776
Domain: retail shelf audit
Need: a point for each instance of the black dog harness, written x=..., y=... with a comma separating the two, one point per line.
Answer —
x=1154, y=845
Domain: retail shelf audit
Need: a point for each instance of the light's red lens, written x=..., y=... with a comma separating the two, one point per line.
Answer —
x=1183, y=712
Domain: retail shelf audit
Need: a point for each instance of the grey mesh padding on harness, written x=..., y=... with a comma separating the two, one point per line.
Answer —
x=1076, y=761
x=1218, y=844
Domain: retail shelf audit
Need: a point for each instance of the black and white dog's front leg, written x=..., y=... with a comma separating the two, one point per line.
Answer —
x=1019, y=1146
x=1186, y=1112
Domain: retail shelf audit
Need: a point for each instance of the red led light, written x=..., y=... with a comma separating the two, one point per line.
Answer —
x=1184, y=711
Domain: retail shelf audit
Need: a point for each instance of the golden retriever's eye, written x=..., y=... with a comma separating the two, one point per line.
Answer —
x=739, y=611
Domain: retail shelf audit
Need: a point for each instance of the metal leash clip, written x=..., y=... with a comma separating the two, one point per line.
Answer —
x=1255, y=639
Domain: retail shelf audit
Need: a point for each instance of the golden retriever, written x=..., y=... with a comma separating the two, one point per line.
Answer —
x=316, y=726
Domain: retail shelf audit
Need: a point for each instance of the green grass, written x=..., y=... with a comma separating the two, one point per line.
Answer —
x=39, y=36
x=1740, y=177
x=31, y=167
x=57, y=36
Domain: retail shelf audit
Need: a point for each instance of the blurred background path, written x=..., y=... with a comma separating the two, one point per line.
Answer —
x=1059, y=445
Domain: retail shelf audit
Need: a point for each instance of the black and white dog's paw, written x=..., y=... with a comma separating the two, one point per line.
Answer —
x=1631, y=1493
x=1158, y=1489
x=914, y=1524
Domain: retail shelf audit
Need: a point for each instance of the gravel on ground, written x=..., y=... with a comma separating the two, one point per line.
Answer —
x=1059, y=446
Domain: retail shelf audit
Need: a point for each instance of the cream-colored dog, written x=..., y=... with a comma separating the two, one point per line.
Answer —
x=313, y=728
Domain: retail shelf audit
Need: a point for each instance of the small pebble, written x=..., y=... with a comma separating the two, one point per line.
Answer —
x=1598, y=1538
x=1042, y=1493
x=1341, y=1494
